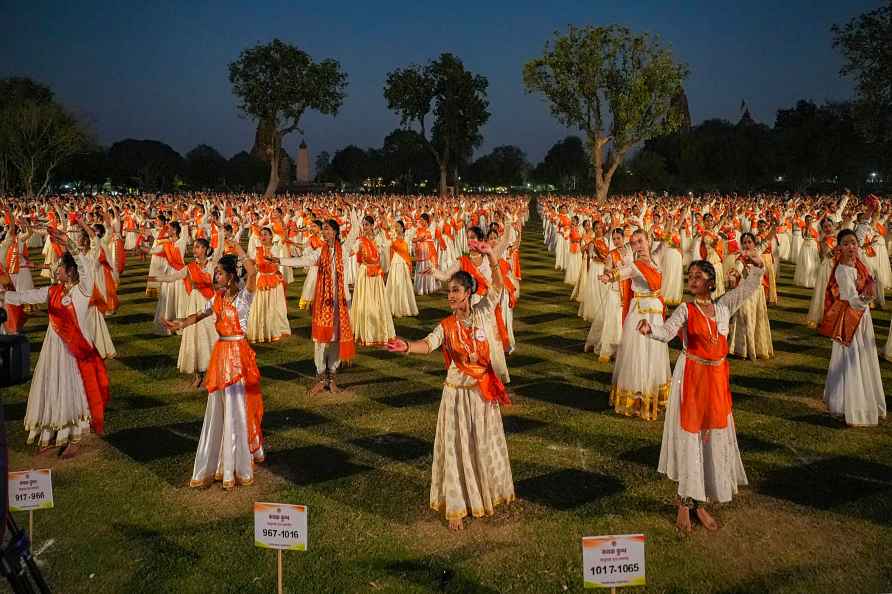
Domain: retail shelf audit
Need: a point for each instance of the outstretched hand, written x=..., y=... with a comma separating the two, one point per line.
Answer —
x=644, y=327
x=397, y=345
x=173, y=326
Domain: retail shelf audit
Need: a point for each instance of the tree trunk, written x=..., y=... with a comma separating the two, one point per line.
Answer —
x=601, y=186
x=273, y=184
x=444, y=173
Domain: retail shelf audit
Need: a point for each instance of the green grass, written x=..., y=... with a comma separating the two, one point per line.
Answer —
x=815, y=518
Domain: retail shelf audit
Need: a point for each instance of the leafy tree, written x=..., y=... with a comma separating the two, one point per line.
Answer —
x=245, y=171
x=566, y=165
x=37, y=135
x=323, y=161
x=205, y=167
x=616, y=86
x=351, y=165
x=865, y=45
x=150, y=164
x=276, y=83
x=505, y=166
x=454, y=96
x=407, y=160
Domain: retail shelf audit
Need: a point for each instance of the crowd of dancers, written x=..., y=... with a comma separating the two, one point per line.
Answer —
x=220, y=267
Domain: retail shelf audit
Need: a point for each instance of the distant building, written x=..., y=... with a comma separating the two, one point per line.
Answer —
x=302, y=163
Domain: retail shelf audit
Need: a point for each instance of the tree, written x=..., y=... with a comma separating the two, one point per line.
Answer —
x=615, y=86
x=205, y=167
x=245, y=171
x=504, y=166
x=37, y=134
x=150, y=164
x=566, y=165
x=454, y=96
x=407, y=160
x=276, y=83
x=864, y=43
x=323, y=161
x=350, y=165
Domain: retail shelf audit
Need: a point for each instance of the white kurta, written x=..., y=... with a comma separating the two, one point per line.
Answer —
x=854, y=388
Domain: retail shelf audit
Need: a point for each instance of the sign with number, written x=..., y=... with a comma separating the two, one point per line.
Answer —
x=30, y=490
x=280, y=526
x=613, y=561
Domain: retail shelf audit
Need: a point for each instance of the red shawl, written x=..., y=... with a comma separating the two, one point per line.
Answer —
x=840, y=320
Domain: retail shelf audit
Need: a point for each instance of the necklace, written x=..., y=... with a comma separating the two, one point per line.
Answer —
x=471, y=348
x=700, y=301
x=713, y=338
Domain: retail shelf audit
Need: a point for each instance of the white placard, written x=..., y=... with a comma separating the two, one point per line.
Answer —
x=30, y=490
x=280, y=526
x=613, y=561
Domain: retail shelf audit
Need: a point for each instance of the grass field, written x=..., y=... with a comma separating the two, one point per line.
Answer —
x=817, y=516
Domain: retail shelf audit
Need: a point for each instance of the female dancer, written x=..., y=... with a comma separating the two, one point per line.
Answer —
x=69, y=389
x=231, y=439
x=400, y=292
x=854, y=388
x=268, y=321
x=471, y=472
x=699, y=449
x=749, y=335
x=370, y=310
x=827, y=254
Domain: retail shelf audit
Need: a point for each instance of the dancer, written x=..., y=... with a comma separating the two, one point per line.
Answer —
x=640, y=385
x=749, y=334
x=854, y=388
x=699, y=449
x=69, y=390
x=370, y=310
x=471, y=472
x=231, y=436
x=400, y=292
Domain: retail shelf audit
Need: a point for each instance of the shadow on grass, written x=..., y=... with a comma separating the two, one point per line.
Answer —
x=302, y=369
x=149, y=364
x=434, y=574
x=568, y=488
x=157, y=552
x=556, y=342
x=544, y=317
x=396, y=446
x=147, y=444
x=518, y=424
x=838, y=484
x=417, y=398
x=277, y=420
x=565, y=394
x=314, y=464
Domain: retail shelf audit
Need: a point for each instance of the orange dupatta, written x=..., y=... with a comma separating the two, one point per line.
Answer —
x=654, y=280
x=323, y=303
x=841, y=320
x=456, y=349
x=91, y=366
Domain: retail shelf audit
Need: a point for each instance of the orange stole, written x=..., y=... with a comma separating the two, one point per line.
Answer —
x=323, y=303
x=197, y=278
x=93, y=375
x=468, y=266
x=15, y=314
x=232, y=362
x=840, y=320
x=400, y=247
x=368, y=255
x=706, y=396
x=456, y=349
x=172, y=255
x=654, y=280
x=110, y=302
x=268, y=274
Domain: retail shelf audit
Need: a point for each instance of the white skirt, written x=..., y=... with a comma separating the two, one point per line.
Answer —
x=57, y=410
x=594, y=294
x=574, y=263
x=99, y=330
x=806, y=273
x=198, y=340
x=223, y=452
x=816, y=306
x=606, y=340
x=854, y=388
x=471, y=472
x=705, y=470
x=308, y=291
x=370, y=310
x=795, y=246
x=268, y=318
x=783, y=246
x=399, y=289
x=672, y=285
x=640, y=385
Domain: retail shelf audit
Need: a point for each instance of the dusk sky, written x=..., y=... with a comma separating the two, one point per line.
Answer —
x=159, y=70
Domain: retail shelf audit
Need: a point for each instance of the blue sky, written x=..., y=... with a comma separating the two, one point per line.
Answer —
x=159, y=70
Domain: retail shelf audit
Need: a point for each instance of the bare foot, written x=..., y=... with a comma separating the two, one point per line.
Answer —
x=45, y=449
x=456, y=524
x=70, y=451
x=317, y=387
x=332, y=386
x=707, y=520
x=683, y=520
x=196, y=382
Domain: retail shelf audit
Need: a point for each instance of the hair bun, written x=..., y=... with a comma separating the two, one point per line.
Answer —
x=473, y=285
